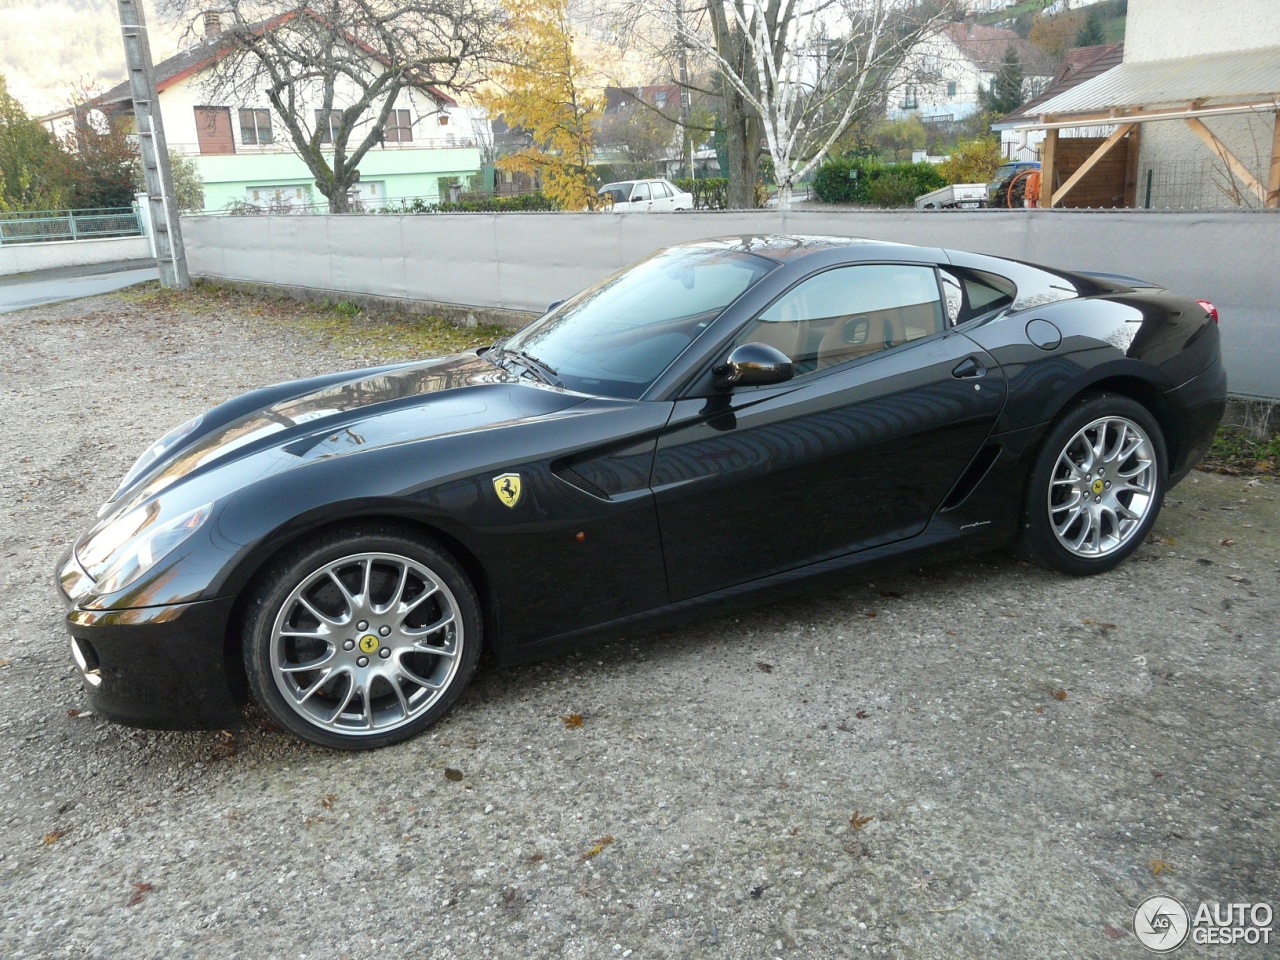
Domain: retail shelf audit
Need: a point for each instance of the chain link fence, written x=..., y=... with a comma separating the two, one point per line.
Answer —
x=44, y=226
x=1201, y=184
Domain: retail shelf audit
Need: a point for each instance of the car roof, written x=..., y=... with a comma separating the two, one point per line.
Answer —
x=791, y=247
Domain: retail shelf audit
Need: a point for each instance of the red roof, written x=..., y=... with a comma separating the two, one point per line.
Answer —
x=202, y=56
x=1081, y=64
x=987, y=46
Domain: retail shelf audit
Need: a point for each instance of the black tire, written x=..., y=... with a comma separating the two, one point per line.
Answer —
x=1109, y=515
x=366, y=605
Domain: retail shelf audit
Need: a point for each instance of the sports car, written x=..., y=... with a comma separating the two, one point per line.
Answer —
x=723, y=417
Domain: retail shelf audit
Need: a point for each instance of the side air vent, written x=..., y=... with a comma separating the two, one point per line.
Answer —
x=972, y=476
x=575, y=479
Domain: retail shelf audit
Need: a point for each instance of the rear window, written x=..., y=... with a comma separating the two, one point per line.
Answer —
x=972, y=293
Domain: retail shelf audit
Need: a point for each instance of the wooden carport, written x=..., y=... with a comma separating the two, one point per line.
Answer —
x=1187, y=89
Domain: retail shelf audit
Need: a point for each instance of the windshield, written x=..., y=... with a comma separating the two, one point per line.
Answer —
x=615, y=338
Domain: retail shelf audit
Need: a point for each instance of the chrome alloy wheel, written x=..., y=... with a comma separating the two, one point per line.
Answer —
x=1102, y=487
x=366, y=643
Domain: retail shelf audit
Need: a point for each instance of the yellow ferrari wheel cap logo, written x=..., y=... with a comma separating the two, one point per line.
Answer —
x=1097, y=486
x=368, y=643
x=507, y=487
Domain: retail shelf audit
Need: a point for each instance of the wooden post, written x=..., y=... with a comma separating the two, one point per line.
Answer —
x=1084, y=168
x=1243, y=174
x=1273, y=181
x=1046, y=166
x=1133, y=145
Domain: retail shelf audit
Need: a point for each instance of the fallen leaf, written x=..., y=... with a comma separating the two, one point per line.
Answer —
x=1039, y=709
x=1058, y=694
x=73, y=713
x=54, y=836
x=598, y=847
x=537, y=858
x=140, y=890
x=452, y=774
x=573, y=721
x=858, y=822
x=327, y=800
x=4, y=663
x=764, y=667
x=861, y=714
x=308, y=822
x=1159, y=866
x=1113, y=932
x=872, y=613
x=1227, y=542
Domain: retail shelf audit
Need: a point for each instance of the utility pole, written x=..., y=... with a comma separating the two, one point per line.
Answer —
x=171, y=255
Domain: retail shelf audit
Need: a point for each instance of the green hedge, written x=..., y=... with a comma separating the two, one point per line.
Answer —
x=835, y=181
x=475, y=204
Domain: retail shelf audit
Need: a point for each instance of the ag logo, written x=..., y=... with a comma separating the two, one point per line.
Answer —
x=1097, y=486
x=1161, y=924
x=507, y=487
x=368, y=643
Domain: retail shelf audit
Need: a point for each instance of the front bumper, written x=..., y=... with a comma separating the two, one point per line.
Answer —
x=161, y=667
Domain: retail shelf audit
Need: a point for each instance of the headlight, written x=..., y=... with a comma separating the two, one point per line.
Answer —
x=156, y=451
x=129, y=546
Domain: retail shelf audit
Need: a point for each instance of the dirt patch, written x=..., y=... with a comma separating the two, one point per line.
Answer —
x=979, y=759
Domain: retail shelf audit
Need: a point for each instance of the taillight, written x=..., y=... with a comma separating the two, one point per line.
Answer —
x=1210, y=309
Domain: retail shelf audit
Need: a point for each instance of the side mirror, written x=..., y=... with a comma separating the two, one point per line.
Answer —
x=551, y=306
x=752, y=364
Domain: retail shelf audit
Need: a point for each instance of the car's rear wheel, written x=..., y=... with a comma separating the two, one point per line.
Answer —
x=1096, y=487
x=362, y=638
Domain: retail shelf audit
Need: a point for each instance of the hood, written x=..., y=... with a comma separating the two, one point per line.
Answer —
x=408, y=403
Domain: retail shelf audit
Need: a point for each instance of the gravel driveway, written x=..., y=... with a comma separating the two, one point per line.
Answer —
x=974, y=760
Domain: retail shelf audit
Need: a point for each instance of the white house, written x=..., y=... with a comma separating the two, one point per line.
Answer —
x=242, y=149
x=944, y=75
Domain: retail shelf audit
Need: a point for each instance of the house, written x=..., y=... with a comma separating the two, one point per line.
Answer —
x=243, y=153
x=1191, y=109
x=944, y=76
x=1017, y=142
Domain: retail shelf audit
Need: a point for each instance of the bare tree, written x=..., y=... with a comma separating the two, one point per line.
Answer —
x=806, y=69
x=792, y=75
x=334, y=70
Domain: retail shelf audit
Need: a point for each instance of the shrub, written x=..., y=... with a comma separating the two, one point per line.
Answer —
x=972, y=161
x=855, y=179
x=709, y=193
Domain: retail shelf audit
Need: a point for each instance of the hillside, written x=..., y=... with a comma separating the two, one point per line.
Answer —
x=48, y=46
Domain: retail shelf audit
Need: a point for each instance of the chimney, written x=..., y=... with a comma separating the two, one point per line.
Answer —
x=212, y=23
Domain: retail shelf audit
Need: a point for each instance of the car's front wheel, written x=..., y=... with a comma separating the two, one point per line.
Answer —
x=1096, y=487
x=361, y=638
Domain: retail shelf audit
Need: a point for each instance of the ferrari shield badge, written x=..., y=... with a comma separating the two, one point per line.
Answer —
x=507, y=487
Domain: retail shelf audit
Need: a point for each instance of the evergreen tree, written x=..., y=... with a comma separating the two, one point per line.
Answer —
x=1006, y=95
x=1090, y=34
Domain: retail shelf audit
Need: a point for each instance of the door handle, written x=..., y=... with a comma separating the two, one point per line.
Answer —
x=970, y=368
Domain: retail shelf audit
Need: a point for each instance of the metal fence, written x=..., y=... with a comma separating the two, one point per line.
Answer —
x=44, y=226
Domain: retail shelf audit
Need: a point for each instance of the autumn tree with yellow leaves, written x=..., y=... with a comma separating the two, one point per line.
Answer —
x=542, y=90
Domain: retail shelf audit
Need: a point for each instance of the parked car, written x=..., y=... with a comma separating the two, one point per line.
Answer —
x=723, y=416
x=646, y=196
x=1004, y=175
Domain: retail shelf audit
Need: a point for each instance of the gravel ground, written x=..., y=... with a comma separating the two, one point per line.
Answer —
x=974, y=760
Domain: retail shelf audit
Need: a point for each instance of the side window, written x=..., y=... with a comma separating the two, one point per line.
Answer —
x=850, y=312
x=971, y=293
x=641, y=192
x=660, y=191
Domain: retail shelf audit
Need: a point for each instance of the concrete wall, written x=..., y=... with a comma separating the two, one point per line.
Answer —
x=1164, y=29
x=18, y=258
x=525, y=261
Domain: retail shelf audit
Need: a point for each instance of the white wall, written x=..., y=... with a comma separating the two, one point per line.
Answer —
x=18, y=258
x=525, y=261
x=1165, y=29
